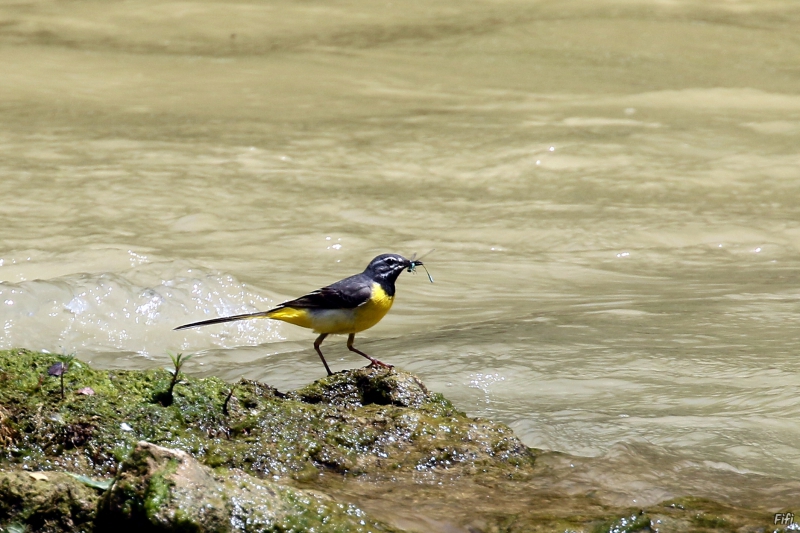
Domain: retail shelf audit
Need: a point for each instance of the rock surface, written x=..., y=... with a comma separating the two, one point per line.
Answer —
x=46, y=501
x=258, y=460
x=360, y=421
x=366, y=421
x=159, y=489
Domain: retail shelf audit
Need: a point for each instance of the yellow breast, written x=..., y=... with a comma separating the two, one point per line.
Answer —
x=370, y=313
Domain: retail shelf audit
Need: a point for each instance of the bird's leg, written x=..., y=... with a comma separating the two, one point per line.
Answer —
x=352, y=348
x=316, y=347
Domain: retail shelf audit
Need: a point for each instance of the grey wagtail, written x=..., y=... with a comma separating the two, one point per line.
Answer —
x=347, y=306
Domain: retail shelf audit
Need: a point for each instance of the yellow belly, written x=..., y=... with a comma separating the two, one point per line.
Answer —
x=374, y=310
x=341, y=321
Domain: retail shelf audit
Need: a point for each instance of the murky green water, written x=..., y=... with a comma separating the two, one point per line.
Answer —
x=612, y=190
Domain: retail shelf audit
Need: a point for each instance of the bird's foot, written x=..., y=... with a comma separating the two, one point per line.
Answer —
x=375, y=363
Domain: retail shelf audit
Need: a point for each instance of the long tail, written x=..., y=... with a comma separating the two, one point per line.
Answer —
x=262, y=314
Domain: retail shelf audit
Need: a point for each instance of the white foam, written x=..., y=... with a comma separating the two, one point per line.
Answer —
x=132, y=311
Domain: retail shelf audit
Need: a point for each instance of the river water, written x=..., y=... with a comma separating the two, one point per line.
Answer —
x=612, y=190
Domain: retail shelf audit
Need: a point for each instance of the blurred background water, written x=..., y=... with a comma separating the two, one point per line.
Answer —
x=612, y=189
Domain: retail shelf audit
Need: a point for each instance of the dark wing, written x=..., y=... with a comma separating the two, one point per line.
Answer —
x=348, y=293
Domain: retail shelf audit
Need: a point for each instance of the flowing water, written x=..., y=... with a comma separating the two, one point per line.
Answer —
x=612, y=189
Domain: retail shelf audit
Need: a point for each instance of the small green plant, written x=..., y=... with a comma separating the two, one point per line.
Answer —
x=165, y=398
x=177, y=362
x=62, y=367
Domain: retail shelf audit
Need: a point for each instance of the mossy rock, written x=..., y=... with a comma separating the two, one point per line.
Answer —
x=418, y=453
x=158, y=489
x=368, y=386
x=46, y=502
x=354, y=422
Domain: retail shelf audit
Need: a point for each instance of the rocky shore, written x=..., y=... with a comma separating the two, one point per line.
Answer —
x=362, y=450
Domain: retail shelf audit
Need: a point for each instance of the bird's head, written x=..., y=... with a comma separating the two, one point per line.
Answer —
x=388, y=266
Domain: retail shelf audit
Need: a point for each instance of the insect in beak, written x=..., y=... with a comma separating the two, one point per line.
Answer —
x=413, y=268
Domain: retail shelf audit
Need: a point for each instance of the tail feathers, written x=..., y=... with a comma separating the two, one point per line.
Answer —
x=263, y=314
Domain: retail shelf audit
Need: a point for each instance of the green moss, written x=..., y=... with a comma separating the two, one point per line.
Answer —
x=413, y=447
x=55, y=502
x=180, y=495
x=303, y=511
x=625, y=524
x=158, y=490
x=351, y=422
x=701, y=514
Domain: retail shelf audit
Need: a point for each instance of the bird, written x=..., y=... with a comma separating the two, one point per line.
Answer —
x=348, y=306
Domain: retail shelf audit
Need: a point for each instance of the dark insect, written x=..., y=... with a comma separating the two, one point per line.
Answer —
x=416, y=262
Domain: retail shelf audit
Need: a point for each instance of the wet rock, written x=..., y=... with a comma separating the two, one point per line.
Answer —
x=159, y=489
x=404, y=454
x=365, y=386
x=356, y=422
x=627, y=524
x=45, y=502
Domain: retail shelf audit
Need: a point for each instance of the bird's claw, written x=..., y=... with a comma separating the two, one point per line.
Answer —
x=375, y=364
